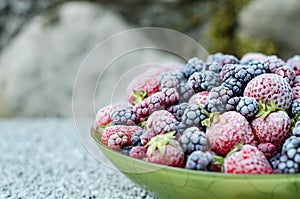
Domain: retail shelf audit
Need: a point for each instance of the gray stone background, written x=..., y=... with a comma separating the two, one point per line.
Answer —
x=43, y=43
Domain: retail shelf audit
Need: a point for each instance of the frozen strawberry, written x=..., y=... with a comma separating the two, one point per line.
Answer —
x=272, y=125
x=164, y=149
x=268, y=87
x=161, y=122
x=247, y=160
x=126, y=130
x=103, y=116
x=199, y=98
x=227, y=130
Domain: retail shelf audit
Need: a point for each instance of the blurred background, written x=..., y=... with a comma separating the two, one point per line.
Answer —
x=43, y=42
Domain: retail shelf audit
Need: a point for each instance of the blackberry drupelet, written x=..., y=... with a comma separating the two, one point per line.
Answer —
x=289, y=159
x=247, y=106
x=123, y=117
x=136, y=138
x=296, y=106
x=192, y=116
x=193, y=139
x=194, y=65
x=201, y=161
x=232, y=103
x=204, y=81
x=178, y=110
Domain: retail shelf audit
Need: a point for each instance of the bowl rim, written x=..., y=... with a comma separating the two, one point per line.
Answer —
x=193, y=172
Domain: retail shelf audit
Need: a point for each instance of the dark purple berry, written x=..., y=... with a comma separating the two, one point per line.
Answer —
x=123, y=117
x=193, y=139
x=201, y=161
x=247, y=106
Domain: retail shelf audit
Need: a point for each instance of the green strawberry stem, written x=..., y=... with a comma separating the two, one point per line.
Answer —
x=265, y=109
x=101, y=128
x=160, y=141
x=139, y=96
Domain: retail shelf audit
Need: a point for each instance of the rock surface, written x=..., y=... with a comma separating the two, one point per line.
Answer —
x=44, y=159
x=273, y=19
x=38, y=68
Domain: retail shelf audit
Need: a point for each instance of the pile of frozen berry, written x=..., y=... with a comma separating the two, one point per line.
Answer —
x=222, y=114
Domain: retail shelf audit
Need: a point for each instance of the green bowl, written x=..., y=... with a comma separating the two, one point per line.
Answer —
x=170, y=182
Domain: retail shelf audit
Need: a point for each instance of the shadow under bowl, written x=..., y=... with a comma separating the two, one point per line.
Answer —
x=178, y=183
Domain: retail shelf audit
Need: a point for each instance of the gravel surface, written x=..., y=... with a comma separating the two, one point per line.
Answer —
x=43, y=158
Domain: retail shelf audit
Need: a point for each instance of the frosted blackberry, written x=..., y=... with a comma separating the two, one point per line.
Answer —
x=296, y=130
x=229, y=59
x=289, y=159
x=146, y=107
x=247, y=106
x=273, y=63
x=221, y=93
x=171, y=79
x=168, y=97
x=237, y=71
x=296, y=106
x=192, y=116
x=178, y=110
x=194, y=65
x=217, y=57
x=185, y=92
x=123, y=117
x=204, y=81
x=213, y=67
x=136, y=138
x=232, y=103
x=193, y=139
x=259, y=67
x=235, y=85
x=201, y=161
x=215, y=105
x=126, y=150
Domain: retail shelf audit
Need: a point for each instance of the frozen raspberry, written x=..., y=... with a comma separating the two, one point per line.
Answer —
x=296, y=87
x=213, y=67
x=147, y=106
x=192, y=116
x=193, y=139
x=294, y=62
x=273, y=63
x=168, y=97
x=110, y=130
x=178, y=110
x=232, y=103
x=171, y=79
x=229, y=59
x=247, y=106
x=288, y=161
x=123, y=117
x=185, y=92
x=268, y=87
x=287, y=72
x=201, y=161
x=204, y=81
x=136, y=138
x=118, y=140
x=249, y=57
x=199, y=99
x=194, y=65
x=161, y=122
x=296, y=106
x=146, y=137
x=268, y=149
x=138, y=152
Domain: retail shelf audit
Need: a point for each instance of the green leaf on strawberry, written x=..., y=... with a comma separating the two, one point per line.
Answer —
x=160, y=141
x=139, y=96
x=265, y=109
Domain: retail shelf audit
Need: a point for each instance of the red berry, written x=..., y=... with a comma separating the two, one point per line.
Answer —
x=110, y=130
x=118, y=140
x=268, y=149
x=138, y=152
x=199, y=98
x=231, y=129
x=296, y=87
x=248, y=160
x=161, y=122
x=164, y=149
x=253, y=57
x=287, y=72
x=273, y=129
x=268, y=87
